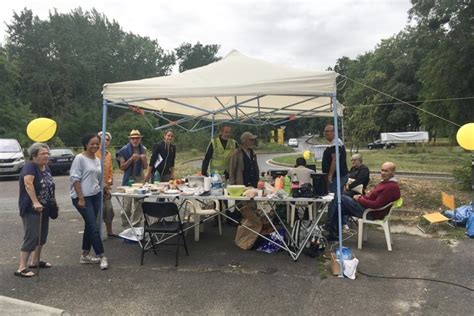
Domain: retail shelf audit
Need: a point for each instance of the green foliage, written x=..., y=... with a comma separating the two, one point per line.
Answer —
x=15, y=114
x=430, y=59
x=192, y=56
x=462, y=175
x=64, y=61
x=265, y=147
x=411, y=159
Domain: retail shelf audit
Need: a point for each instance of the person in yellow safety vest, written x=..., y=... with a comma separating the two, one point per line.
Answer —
x=218, y=152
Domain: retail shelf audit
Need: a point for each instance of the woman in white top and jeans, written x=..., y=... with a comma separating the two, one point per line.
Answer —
x=85, y=176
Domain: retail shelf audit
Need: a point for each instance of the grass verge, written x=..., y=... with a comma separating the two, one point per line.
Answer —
x=410, y=159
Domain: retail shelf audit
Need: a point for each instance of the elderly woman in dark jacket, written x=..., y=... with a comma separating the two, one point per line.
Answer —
x=36, y=202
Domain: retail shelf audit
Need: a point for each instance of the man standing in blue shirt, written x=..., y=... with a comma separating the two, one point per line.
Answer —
x=132, y=161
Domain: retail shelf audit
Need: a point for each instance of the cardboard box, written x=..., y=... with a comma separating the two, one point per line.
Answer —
x=335, y=267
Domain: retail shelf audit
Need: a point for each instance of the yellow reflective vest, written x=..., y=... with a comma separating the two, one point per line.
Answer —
x=221, y=156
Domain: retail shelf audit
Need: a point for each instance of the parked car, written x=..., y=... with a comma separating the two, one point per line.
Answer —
x=12, y=159
x=378, y=144
x=293, y=142
x=60, y=160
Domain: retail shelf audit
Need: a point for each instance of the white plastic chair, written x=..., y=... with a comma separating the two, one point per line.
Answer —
x=292, y=211
x=196, y=212
x=385, y=223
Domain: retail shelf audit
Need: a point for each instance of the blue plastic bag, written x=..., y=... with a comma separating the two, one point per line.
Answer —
x=269, y=247
x=460, y=215
x=470, y=226
x=346, y=253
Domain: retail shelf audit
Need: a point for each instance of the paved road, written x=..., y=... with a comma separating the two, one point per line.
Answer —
x=9, y=194
x=218, y=278
x=261, y=158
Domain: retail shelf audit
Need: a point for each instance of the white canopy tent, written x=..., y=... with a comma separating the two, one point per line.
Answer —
x=237, y=88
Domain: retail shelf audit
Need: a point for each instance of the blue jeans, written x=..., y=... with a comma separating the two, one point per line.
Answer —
x=89, y=213
x=332, y=211
x=348, y=207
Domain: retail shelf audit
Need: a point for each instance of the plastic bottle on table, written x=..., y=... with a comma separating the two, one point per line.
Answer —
x=156, y=177
x=279, y=183
x=216, y=184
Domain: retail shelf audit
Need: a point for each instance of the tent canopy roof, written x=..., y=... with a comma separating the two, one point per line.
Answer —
x=235, y=88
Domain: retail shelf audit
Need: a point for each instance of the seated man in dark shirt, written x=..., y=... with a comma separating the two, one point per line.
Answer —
x=385, y=192
x=359, y=177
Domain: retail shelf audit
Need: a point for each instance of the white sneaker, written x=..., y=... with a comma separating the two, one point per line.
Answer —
x=88, y=260
x=103, y=263
x=346, y=228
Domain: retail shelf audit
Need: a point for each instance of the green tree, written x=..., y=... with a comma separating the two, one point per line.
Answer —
x=14, y=115
x=446, y=71
x=64, y=61
x=192, y=56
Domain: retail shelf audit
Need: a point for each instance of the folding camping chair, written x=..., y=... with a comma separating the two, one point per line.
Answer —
x=436, y=217
x=159, y=230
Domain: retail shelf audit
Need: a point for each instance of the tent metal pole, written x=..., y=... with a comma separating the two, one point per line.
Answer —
x=102, y=160
x=212, y=126
x=338, y=181
x=343, y=136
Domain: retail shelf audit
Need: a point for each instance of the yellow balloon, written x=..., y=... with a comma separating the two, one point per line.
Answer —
x=41, y=129
x=465, y=136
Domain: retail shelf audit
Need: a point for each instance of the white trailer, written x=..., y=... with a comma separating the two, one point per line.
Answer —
x=405, y=137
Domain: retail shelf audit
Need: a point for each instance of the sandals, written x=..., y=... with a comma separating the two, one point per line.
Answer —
x=113, y=236
x=42, y=265
x=25, y=273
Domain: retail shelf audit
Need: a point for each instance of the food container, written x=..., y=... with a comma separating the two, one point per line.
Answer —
x=141, y=191
x=121, y=189
x=130, y=191
x=196, y=181
x=235, y=190
x=137, y=185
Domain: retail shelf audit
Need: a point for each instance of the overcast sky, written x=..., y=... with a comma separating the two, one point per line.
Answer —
x=302, y=33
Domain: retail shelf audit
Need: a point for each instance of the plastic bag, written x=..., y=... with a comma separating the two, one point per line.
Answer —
x=128, y=234
x=346, y=253
x=470, y=226
x=460, y=215
x=269, y=247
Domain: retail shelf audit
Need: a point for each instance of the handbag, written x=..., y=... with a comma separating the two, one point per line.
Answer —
x=53, y=209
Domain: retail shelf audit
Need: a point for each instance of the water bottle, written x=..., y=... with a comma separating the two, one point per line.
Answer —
x=156, y=177
x=216, y=184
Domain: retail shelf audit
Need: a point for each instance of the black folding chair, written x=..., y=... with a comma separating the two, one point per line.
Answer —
x=158, y=229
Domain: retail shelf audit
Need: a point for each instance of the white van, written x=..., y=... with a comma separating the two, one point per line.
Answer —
x=293, y=142
x=11, y=158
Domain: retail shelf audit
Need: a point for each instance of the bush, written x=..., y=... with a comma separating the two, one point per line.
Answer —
x=462, y=175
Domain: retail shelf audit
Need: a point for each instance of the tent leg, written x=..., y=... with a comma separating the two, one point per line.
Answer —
x=100, y=222
x=338, y=179
x=212, y=127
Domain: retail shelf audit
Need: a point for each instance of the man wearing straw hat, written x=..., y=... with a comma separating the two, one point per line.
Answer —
x=132, y=161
